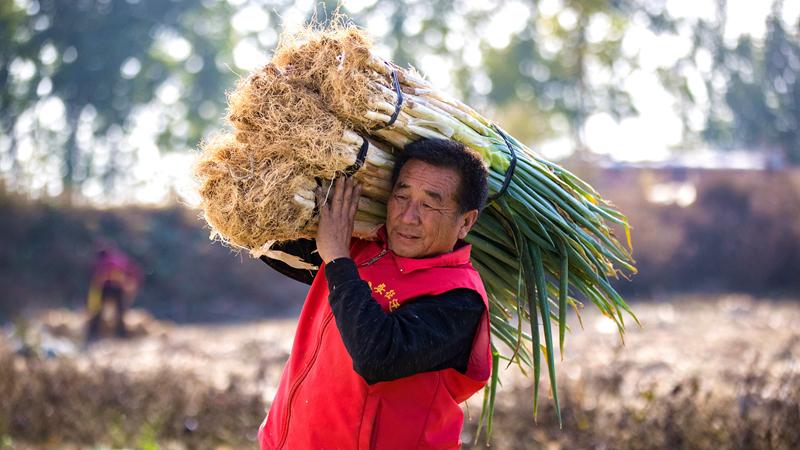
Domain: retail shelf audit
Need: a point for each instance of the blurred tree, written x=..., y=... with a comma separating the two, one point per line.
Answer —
x=81, y=78
x=566, y=64
x=750, y=99
x=541, y=67
x=77, y=74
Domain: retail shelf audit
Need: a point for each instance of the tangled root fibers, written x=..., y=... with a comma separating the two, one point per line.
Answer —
x=334, y=62
x=277, y=118
x=247, y=198
x=289, y=118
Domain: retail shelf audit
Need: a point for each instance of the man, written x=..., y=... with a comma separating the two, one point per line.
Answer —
x=395, y=333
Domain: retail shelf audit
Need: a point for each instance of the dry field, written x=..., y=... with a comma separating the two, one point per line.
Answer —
x=702, y=373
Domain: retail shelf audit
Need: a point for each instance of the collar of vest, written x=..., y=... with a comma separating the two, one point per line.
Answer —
x=458, y=257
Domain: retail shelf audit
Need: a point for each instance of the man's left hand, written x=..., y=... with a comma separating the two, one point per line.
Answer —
x=336, y=219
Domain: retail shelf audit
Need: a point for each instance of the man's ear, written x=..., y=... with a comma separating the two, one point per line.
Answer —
x=466, y=222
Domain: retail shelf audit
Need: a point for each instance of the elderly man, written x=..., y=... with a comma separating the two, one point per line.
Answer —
x=394, y=333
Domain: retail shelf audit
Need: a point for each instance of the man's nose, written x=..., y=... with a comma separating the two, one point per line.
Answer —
x=410, y=214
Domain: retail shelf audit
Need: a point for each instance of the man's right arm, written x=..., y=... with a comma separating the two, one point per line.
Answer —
x=430, y=333
x=305, y=249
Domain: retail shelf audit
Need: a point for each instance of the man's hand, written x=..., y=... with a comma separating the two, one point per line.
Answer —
x=336, y=216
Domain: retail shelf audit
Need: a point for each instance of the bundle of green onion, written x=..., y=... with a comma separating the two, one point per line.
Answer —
x=536, y=247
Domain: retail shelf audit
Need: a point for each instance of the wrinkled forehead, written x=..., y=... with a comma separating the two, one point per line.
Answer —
x=433, y=181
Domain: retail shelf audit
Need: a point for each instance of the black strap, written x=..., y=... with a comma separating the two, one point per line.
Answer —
x=316, y=204
x=349, y=171
x=511, y=167
x=362, y=155
x=396, y=107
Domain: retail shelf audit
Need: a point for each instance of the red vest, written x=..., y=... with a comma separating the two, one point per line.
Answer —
x=322, y=403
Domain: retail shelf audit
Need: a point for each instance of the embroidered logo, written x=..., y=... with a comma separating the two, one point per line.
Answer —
x=381, y=289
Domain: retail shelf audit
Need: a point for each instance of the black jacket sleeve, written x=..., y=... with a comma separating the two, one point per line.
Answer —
x=303, y=248
x=432, y=333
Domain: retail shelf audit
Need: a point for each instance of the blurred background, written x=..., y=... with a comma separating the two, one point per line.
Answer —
x=684, y=113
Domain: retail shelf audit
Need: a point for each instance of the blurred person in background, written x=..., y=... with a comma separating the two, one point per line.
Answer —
x=116, y=278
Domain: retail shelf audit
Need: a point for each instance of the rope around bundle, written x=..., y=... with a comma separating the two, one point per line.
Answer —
x=509, y=171
x=393, y=117
x=360, y=158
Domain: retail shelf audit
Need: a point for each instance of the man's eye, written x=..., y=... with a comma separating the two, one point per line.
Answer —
x=427, y=206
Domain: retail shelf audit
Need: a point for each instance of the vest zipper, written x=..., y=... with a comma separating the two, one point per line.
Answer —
x=383, y=252
x=296, y=385
x=299, y=381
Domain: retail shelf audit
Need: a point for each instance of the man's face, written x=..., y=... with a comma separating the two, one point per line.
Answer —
x=423, y=218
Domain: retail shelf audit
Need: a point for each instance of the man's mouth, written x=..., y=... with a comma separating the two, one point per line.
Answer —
x=406, y=236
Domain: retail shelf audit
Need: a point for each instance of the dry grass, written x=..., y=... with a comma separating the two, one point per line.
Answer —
x=703, y=373
x=170, y=387
x=58, y=402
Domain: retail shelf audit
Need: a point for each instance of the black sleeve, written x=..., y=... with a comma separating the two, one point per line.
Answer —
x=303, y=248
x=432, y=333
